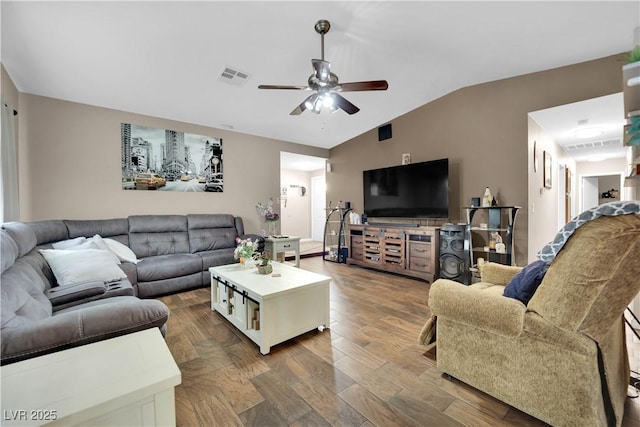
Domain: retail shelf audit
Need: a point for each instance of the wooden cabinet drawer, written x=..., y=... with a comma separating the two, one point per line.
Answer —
x=419, y=249
x=357, y=253
x=420, y=264
x=357, y=241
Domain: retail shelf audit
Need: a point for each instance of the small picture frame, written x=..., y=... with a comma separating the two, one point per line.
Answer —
x=547, y=169
x=406, y=158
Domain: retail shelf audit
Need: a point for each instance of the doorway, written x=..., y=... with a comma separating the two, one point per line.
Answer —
x=598, y=189
x=302, y=199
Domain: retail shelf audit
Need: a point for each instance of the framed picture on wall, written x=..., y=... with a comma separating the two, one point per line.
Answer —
x=547, y=169
x=168, y=160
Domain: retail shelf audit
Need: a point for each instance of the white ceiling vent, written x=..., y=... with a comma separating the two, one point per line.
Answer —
x=233, y=76
x=593, y=145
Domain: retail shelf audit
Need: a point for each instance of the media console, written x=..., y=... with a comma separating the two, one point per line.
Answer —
x=412, y=251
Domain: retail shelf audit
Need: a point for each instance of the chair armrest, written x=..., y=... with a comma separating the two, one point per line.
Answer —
x=498, y=274
x=77, y=292
x=477, y=307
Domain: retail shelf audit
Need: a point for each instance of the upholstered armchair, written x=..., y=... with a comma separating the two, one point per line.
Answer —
x=562, y=357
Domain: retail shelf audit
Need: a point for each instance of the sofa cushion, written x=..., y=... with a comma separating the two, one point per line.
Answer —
x=524, y=284
x=168, y=266
x=8, y=250
x=49, y=231
x=69, y=243
x=82, y=324
x=170, y=285
x=117, y=229
x=76, y=266
x=151, y=235
x=22, y=298
x=22, y=235
x=217, y=257
x=210, y=232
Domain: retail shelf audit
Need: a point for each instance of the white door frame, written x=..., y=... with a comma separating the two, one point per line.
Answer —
x=318, y=201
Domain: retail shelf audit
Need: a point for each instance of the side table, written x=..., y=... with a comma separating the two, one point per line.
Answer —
x=275, y=245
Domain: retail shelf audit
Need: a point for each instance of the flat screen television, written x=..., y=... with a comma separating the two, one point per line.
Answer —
x=418, y=190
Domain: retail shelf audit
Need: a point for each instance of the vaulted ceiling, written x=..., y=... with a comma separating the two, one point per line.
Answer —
x=166, y=59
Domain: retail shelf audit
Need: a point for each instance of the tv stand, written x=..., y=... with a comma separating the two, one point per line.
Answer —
x=396, y=248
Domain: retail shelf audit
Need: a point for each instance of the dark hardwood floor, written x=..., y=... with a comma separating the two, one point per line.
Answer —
x=366, y=370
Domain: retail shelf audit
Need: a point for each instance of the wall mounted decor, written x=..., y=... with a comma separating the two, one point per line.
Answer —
x=547, y=169
x=169, y=160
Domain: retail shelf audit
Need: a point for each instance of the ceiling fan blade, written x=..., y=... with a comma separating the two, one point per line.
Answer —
x=321, y=69
x=283, y=87
x=357, y=86
x=301, y=108
x=347, y=106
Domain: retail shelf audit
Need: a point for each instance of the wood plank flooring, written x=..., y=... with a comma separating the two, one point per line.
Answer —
x=366, y=370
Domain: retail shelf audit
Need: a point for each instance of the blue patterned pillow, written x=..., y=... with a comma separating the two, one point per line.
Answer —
x=524, y=284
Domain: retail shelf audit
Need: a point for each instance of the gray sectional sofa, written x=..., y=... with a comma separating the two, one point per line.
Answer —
x=174, y=253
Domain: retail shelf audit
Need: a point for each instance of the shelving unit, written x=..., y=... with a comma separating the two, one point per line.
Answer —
x=335, y=246
x=498, y=219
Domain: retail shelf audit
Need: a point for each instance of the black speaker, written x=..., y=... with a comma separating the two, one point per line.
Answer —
x=452, y=265
x=384, y=132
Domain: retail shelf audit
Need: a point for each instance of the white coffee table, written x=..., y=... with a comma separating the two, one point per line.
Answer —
x=270, y=309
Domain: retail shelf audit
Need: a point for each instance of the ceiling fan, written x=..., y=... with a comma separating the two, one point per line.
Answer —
x=325, y=84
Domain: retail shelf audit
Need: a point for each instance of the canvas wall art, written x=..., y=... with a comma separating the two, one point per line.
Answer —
x=169, y=160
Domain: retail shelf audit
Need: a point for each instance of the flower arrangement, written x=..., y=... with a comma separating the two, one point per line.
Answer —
x=261, y=258
x=245, y=248
x=266, y=211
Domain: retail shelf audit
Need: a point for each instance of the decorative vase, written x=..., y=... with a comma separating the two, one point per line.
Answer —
x=272, y=227
x=244, y=262
x=265, y=269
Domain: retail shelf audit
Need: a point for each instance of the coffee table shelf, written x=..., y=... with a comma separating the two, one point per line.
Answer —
x=272, y=308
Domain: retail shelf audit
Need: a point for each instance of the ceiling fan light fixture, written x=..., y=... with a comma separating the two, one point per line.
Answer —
x=310, y=103
x=327, y=100
x=317, y=105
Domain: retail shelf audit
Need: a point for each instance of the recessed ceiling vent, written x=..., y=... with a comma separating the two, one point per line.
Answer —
x=233, y=76
x=594, y=145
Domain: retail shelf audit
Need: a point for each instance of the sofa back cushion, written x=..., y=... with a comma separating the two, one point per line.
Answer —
x=151, y=235
x=22, y=295
x=593, y=278
x=117, y=229
x=8, y=250
x=49, y=231
x=23, y=236
x=209, y=232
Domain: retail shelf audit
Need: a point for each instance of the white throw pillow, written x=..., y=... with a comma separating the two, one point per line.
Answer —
x=122, y=251
x=66, y=244
x=94, y=243
x=98, y=240
x=72, y=267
